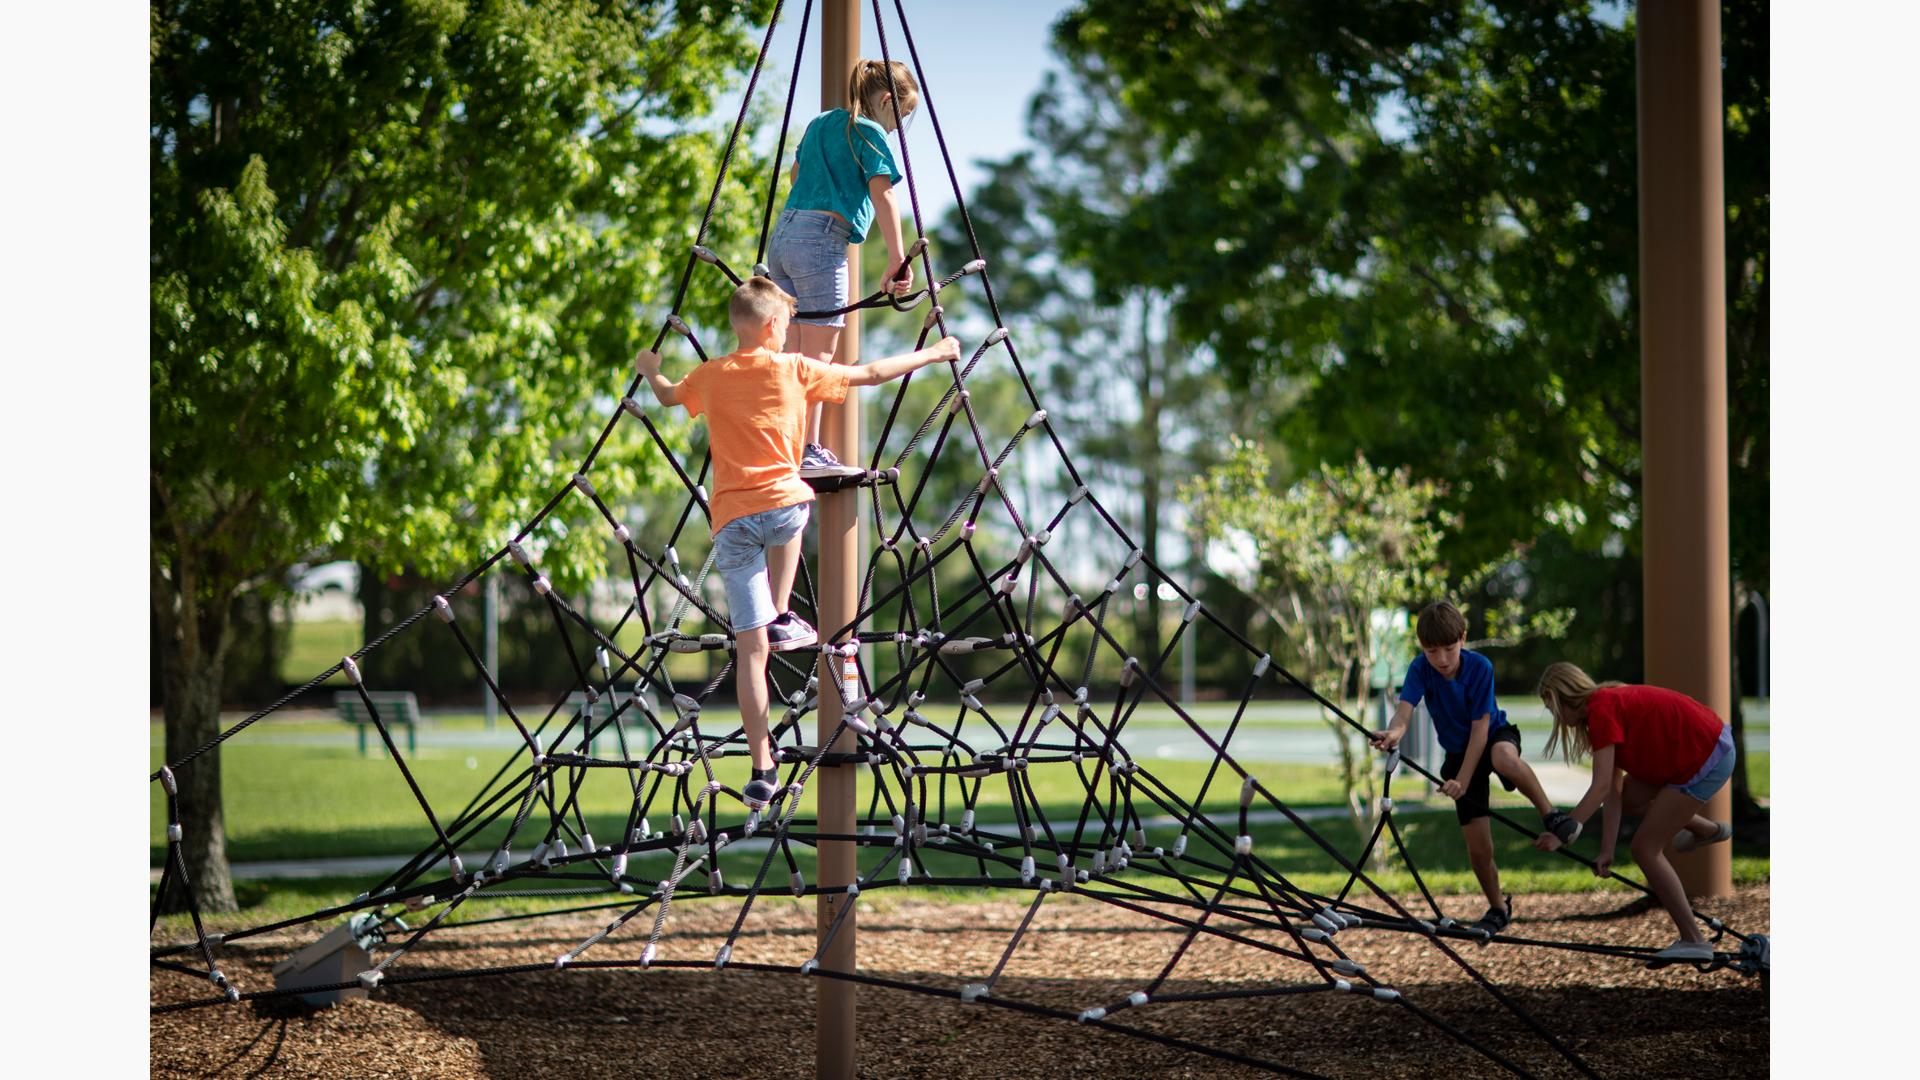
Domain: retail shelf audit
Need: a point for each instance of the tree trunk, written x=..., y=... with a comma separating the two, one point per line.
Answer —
x=193, y=658
x=1744, y=808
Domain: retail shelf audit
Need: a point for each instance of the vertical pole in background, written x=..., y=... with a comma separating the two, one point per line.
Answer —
x=491, y=647
x=836, y=791
x=1683, y=379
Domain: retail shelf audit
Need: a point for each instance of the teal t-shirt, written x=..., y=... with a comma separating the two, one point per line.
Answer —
x=835, y=165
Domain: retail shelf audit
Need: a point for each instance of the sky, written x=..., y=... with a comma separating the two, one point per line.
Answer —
x=983, y=60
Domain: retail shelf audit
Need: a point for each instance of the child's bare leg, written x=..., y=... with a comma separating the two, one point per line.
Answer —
x=1479, y=837
x=1508, y=763
x=819, y=343
x=783, y=565
x=1666, y=812
x=1639, y=795
x=750, y=683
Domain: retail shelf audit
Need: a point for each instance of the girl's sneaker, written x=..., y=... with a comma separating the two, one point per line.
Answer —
x=1687, y=841
x=761, y=789
x=789, y=632
x=1683, y=951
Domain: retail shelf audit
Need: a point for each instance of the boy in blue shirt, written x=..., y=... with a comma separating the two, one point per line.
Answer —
x=1457, y=685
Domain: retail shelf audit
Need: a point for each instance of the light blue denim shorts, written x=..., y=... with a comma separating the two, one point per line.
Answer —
x=807, y=257
x=1718, y=767
x=740, y=554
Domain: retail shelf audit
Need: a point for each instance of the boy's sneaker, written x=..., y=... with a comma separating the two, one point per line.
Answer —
x=818, y=463
x=761, y=789
x=1681, y=952
x=1496, y=920
x=789, y=632
x=1687, y=841
x=1561, y=824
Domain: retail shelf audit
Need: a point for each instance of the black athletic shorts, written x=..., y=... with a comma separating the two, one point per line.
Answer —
x=1472, y=802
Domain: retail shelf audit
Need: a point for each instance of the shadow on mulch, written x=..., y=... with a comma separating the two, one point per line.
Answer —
x=761, y=1025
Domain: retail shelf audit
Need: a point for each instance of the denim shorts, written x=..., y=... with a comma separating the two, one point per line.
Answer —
x=740, y=554
x=807, y=257
x=1718, y=767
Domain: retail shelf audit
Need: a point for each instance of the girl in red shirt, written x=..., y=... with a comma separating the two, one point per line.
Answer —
x=1674, y=754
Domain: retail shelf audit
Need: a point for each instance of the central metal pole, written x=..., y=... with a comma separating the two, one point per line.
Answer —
x=836, y=792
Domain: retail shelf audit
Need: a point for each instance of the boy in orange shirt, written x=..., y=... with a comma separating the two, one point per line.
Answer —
x=756, y=400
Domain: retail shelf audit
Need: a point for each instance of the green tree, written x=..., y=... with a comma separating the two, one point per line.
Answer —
x=1074, y=232
x=1330, y=551
x=397, y=257
x=1423, y=215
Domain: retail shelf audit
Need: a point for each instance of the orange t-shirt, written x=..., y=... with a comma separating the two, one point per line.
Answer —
x=756, y=403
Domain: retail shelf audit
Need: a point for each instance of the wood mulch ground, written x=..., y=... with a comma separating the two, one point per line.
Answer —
x=1622, y=1019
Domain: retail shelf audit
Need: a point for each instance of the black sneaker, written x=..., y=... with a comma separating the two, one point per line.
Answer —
x=1496, y=920
x=761, y=789
x=1561, y=824
x=818, y=463
x=789, y=632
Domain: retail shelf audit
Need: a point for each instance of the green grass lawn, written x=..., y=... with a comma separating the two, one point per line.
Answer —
x=302, y=802
x=285, y=801
x=1432, y=837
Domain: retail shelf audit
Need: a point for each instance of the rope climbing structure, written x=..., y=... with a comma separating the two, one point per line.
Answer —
x=991, y=668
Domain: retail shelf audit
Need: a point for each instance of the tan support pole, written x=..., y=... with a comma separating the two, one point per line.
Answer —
x=1683, y=378
x=836, y=791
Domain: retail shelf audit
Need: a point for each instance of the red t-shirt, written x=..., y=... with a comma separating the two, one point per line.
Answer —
x=1664, y=736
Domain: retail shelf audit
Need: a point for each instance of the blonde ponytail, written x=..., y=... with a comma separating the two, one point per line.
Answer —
x=868, y=83
x=1565, y=690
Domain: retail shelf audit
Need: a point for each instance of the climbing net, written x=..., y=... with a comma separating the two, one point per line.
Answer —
x=990, y=681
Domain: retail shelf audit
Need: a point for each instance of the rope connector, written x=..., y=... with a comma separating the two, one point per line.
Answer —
x=370, y=979
x=1092, y=1014
x=1246, y=792
x=541, y=585
x=586, y=486
x=705, y=256
x=1393, y=761
x=1260, y=666
x=679, y=326
x=174, y=833
x=1000, y=334
x=760, y=270
x=623, y=534
x=933, y=317
x=443, y=609
x=1192, y=612
x=631, y=407
x=1137, y=998
x=720, y=958
x=519, y=554
x=168, y=782
x=974, y=267
x=973, y=992
x=352, y=669
x=1243, y=844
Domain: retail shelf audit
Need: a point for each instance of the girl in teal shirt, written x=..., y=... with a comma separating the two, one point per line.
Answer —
x=843, y=176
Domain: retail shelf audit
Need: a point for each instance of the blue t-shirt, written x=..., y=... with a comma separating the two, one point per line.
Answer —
x=835, y=165
x=1454, y=703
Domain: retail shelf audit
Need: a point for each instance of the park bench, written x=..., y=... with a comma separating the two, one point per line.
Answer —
x=640, y=733
x=397, y=708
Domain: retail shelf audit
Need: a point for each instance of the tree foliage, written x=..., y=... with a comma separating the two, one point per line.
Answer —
x=1324, y=556
x=1423, y=216
x=397, y=256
